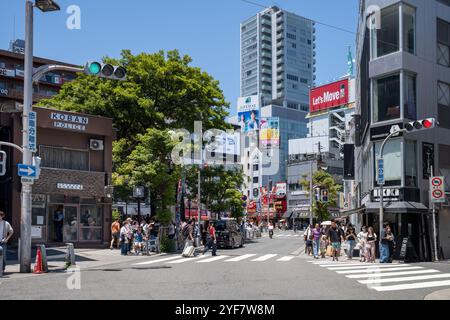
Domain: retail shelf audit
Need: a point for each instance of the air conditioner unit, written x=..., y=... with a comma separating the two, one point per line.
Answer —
x=96, y=145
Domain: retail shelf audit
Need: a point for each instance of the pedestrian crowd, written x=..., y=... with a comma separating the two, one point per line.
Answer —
x=330, y=240
x=137, y=236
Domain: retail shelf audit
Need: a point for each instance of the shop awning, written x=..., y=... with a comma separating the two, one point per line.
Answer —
x=397, y=207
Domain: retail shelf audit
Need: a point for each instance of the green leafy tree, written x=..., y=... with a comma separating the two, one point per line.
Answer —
x=324, y=181
x=149, y=165
x=162, y=91
x=219, y=187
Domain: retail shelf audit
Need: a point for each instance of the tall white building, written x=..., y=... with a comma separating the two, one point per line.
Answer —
x=277, y=64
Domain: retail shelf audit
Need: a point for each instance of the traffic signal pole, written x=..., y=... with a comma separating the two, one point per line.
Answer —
x=394, y=133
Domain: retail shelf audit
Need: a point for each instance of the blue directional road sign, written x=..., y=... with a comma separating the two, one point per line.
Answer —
x=380, y=170
x=27, y=171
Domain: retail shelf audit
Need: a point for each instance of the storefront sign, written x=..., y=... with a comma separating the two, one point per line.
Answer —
x=69, y=121
x=269, y=132
x=329, y=96
x=281, y=190
x=20, y=73
x=69, y=186
x=7, y=72
x=389, y=194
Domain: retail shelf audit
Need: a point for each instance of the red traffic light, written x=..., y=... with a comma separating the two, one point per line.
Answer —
x=428, y=123
x=418, y=125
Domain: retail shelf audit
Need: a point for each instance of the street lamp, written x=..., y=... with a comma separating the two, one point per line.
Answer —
x=47, y=5
x=25, y=225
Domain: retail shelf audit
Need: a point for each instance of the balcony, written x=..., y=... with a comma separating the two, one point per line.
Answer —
x=267, y=63
x=280, y=36
x=266, y=46
x=266, y=87
x=280, y=77
x=266, y=54
x=280, y=86
x=266, y=79
x=266, y=38
x=265, y=30
x=280, y=68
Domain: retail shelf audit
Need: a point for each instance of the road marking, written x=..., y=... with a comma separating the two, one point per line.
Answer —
x=368, y=267
x=187, y=259
x=376, y=271
x=328, y=265
x=401, y=279
x=409, y=286
x=245, y=256
x=389, y=274
x=266, y=257
x=212, y=259
x=285, y=259
x=156, y=261
x=278, y=236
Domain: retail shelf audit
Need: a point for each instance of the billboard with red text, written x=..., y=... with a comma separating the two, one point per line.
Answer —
x=329, y=96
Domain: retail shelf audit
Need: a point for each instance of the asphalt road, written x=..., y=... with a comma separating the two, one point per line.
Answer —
x=265, y=269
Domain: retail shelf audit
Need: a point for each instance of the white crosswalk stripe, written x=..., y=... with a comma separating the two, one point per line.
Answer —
x=372, y=270
x=265, y=258
x=212, y=259
x=368, y=267
x=404, y=279
x=220, y=258
x=187, y=259
x=286, y=259
x=245, y=256
x=388, y=277
x=390, y=274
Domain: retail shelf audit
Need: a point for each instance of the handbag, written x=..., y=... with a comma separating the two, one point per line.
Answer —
x=329, y=250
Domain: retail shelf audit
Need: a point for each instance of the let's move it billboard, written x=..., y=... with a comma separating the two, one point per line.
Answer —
x=329, y=96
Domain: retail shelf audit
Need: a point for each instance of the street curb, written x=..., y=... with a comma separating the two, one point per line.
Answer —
x=439, y=295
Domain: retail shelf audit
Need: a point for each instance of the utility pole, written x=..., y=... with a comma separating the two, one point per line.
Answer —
x=25, y=221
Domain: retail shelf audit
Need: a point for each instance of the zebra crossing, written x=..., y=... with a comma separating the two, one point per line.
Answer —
x=388, y=277
x=284, y=236
x=250, y=257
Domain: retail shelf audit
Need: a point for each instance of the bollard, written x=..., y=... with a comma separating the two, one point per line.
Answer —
x=44, y=257
x=1, y=261
x=70, y=255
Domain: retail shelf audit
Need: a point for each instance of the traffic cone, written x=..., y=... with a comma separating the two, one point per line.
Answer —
x=38, y=263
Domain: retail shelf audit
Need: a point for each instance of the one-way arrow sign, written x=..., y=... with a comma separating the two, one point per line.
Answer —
x=27, y=171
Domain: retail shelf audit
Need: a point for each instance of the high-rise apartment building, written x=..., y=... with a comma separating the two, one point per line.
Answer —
x=277, y=65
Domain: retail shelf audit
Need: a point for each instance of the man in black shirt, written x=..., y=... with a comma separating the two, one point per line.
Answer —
x=335, y=236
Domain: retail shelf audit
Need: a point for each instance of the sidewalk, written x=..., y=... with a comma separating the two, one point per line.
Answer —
x=85, y=258
x=439, y=295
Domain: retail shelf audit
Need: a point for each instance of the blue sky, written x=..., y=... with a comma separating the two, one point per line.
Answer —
x=207, y=30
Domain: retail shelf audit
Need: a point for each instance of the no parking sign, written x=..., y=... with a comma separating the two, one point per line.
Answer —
x=437, y=189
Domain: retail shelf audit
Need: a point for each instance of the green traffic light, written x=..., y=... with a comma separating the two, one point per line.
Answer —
x=95, y=68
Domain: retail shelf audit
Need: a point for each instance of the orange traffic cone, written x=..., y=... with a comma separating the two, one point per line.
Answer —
x=38, y=263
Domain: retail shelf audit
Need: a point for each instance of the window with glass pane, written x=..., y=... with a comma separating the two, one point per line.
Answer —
x=392, y=155
x=410, y=96
x=385, y=40
x=59, y=158
x=443, y=45
x=410, y=164
x=386, y=98
x=444, y=105
x=409, y=29
x=91, y=220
